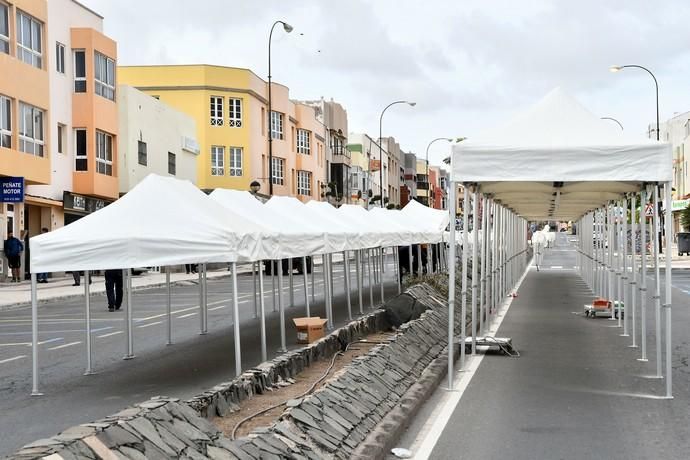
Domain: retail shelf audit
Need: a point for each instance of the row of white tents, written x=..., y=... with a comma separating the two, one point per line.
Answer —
x=165, y=222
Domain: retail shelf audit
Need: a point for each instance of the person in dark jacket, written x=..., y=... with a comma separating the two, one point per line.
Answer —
x=13, y=248
x=113, y=289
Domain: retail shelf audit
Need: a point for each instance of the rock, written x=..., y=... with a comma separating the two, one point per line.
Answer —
x=216, y=453
x=115, y=436
x=132, y=454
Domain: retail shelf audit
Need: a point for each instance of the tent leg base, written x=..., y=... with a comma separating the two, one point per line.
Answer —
x=643, y=360
x=623, y=335
x=633, y=346
x=128, y=357
x=90, y=373
x=167, y=344
x=203, y=333
x=36, y=393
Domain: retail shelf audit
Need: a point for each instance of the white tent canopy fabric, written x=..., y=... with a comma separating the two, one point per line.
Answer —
x=147, y=227
x=557, y=160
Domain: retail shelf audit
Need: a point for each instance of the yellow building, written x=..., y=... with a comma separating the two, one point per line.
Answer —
x=230, y=107
x=422, y=183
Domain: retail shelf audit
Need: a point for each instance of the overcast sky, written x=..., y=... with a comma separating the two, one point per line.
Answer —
x=468, y=64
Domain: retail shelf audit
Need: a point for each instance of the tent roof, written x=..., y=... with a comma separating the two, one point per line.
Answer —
x=557, y=160
x=147, y=228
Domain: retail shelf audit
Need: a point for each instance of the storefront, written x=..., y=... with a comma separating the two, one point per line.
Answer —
x=678, y=206
x=77, y=206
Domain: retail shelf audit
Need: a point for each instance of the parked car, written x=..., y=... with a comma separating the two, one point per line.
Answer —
x=296, y=266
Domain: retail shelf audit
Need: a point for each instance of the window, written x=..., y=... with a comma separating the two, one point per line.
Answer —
x=217, y=160
x=235, y=113
x=5, y=121
x=235, y=161
x=216, y=111
x=172, y=166
x=276, y=125
x=60, y=57
x=303, y=142
x=81, y=162
x=303, y=183
x=79, y=71
x=61, y=138
x=29, y=44
x=141, y=150
x=4, y=28
x=105, y=76
x=30, y=129
x=278, y=176
x=104, y=153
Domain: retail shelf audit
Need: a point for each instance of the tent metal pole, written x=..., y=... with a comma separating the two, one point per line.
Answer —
x=420, y=266
x=482, y=272
x=205, y=330
x=87, y=318
x=398, y=274
x=326, y=285
x=381, y=272
x=358, y=267
x=201, y=299
x=451, y=289
x=619, y=262
x=643, y=276
x=475, y=267
x=291, y=282
x=306, y=285
x=313, y=279
x=130, y=316
x=383, y=261
x=410, y=274
x=494, y=242
x=625, y=297
x=633, y=265
x=34, y=337
x=346, y=270
x=330, y=291
x=256, y=304
x=611, y=294
x=463, y=292
x=371, y=286
x=274, y=266
x=262, y=313
x=657, y=282
x=281, y=308
x=236, y=321
x=668, y=275
x=168, y=306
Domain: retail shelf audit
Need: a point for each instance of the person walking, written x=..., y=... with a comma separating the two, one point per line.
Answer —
x=113, y=289
x=13, y=248
x=42, y=277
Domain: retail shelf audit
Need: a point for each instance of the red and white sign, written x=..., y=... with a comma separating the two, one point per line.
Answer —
x=649, y=210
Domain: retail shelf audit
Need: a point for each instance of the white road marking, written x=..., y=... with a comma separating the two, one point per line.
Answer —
x=556, y=266
x=186, y=316
x=150, y=324
x=437, y=421
x=12, y=359
x=109, y=334
x=19, y=344
x=217, y=308
x=56, y=339
x=64, y=345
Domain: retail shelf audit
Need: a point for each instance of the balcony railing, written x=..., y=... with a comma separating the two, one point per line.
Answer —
x=341, y=150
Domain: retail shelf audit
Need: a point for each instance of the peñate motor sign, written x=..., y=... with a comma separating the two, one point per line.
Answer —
x=11, y=189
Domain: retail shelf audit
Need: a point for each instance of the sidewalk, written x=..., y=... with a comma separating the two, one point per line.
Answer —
x=19, y=294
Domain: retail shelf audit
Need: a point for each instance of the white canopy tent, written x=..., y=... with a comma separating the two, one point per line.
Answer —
x=558, y=161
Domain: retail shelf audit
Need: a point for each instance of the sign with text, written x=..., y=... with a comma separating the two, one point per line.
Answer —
x=11, y=189
x=374, y=165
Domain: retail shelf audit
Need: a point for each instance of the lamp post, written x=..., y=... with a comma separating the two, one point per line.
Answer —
x=411, y=104
x=459, y=139
x=618, y=68
x=614, y=120
x=288, y=28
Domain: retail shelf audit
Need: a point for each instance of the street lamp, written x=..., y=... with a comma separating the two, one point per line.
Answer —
x=411, y=104
x=459, y=139
x=613, y=119
x=288, y=28
x=618, y=68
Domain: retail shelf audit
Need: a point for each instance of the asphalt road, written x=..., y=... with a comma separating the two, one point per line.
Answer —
x=194, y=362
x=577, y=391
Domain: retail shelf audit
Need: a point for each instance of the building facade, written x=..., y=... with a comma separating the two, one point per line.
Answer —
x=408, y=191
x=59, y=122
x=423, y=194
x=230, y=108
x=676, y=131
x=366, y=169
x=154, y=138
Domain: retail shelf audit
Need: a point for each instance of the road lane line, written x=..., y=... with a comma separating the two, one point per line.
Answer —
x=56, y=339
x=150, y=324
x=186, y=316
x=19, y=344
x=64, y=345
x=110, y=334
x=217, y=308
x=12, y=359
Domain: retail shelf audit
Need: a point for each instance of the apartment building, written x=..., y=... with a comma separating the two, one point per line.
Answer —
x=154, y=139
x=338, y=158
x=59, y=122
x=230, y=108
x=366, y=169
x=423, y=195
x=408, y=191
x=676, y=131
x=396, y=170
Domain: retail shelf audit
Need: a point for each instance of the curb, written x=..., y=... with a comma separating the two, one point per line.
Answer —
x=386, y=434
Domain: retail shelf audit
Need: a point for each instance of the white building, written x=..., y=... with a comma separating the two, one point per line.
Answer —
x=676, y=131
x=154, y=138
x=366, y=153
